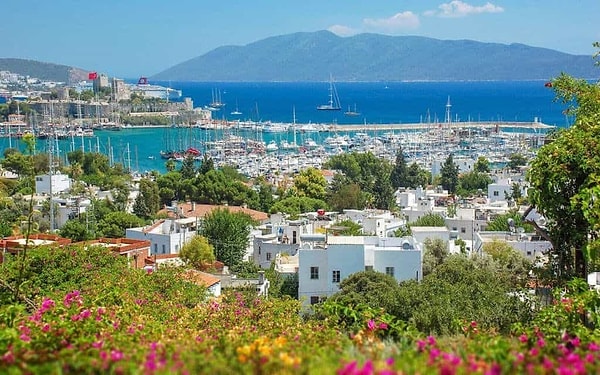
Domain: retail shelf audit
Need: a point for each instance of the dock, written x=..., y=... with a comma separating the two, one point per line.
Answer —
x=489, y=125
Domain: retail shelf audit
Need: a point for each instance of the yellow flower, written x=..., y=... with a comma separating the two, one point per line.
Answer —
x=279, y=342
x=289, y=360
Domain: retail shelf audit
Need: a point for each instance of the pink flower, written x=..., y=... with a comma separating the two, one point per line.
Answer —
x=116, y=355
x=24, y=337
x=534, y=352
x=47, y=304
x=348, y=369
x=421, y=344
x=76, y=317
x=431, y=340
x=383, y=326
x=8, y=357
x=371, y=324
x=46, y=327
x=97, y=344
x=523, y=338
x=593, y=347
x=541, y=343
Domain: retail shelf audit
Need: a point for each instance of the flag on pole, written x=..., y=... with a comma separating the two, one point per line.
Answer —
x=92, y=75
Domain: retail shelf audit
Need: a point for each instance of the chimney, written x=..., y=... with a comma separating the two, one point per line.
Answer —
x=193, y=206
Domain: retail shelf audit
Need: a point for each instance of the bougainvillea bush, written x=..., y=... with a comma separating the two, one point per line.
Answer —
x=84, y=311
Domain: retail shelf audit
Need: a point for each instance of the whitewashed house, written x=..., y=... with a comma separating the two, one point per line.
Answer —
x=166, y=236
x=60, y=183
x=324, y=261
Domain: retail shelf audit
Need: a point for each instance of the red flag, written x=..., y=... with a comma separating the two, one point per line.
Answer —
x=92, y=75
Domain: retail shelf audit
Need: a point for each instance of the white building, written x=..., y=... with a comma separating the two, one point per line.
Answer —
x=60, y=183
x=324, y=261
x=464, y=165
x=529, y=245
x=166, y=236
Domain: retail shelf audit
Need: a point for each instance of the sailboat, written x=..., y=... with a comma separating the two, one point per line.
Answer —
x=352, y=112
x=216, y=100
x=236, y=112
x=334, y=100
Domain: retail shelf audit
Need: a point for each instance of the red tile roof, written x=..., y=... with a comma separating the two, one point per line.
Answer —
x=201, y=210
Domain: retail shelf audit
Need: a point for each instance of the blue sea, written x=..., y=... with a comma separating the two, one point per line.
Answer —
x=378, y=103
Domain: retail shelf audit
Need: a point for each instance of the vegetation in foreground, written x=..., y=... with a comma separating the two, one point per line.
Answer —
x=85, y=311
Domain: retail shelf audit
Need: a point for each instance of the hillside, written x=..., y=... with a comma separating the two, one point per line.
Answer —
x=43, y=70
x=371, y=57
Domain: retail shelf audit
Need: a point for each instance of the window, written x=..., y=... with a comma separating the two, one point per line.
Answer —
x=335, y=276
x=268, y=256
x=164, y=249
x=314, y=300
x=496, y=193
x=155, y=248
x=39, y=179
x=389, y=271
x=314, y=273
x=463, y=230
x=368, y=268
x=294, y=237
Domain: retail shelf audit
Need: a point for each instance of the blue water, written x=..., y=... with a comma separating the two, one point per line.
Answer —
x=380, y=102
x=393, y=102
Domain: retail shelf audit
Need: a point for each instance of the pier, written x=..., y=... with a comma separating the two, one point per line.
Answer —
x=490, y=125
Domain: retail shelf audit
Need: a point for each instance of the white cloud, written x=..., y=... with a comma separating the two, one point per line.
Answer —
x=399, y=21
x=457, y=8
x=342, y=30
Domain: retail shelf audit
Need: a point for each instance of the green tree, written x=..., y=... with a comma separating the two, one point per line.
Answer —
x=417, y=176
x=434, y=254
x=375, y=289
x=347, y=196
x=471, y=182
x=429, y=220
x=501, y=223
x=515, y=161
x=509, y=261
x=399, y=175
x=188, y=167
x=115, y=223
x=310, y=183
x=449, y=175
x=482, y=165
x=564, y=179
x=228, y=233
x=75, y=230
x=197, y=252
x=459, y=290
x=147, y=203
x=350, y=228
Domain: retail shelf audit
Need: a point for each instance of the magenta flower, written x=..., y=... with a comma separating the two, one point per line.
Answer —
x=46, y=327
x=593, y=347
x=348, y=369
x=47, y=304
x=85, y=314
x=116, y=355
x=523, y=338
x=24, y=337
x=371, y=325
x=541, y=343
x=431, y=340
x=97, y=344
x=383, y=326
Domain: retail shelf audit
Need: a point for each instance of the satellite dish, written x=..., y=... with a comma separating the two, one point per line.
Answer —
x=541, y=221
x=520, y=230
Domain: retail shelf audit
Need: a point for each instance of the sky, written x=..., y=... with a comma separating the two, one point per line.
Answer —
x=133, y=38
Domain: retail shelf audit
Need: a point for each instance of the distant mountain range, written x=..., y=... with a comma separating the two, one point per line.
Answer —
x=371, y=57
x=43, y=70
